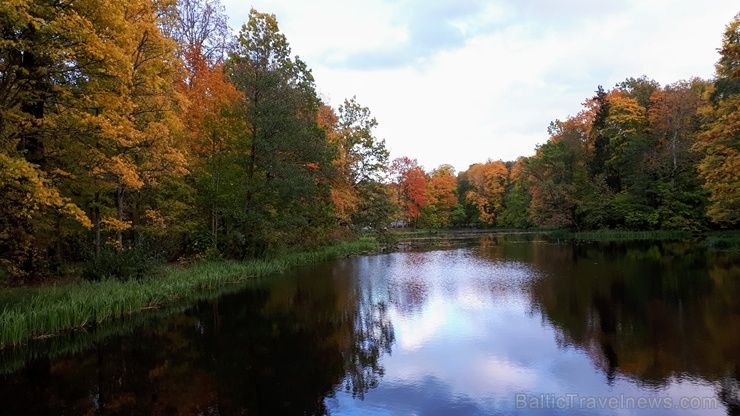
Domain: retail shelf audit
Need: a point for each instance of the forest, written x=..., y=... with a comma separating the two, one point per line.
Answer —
x=147, y=130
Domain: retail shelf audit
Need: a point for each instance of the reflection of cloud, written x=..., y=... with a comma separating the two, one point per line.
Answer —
x=513, y=376
x=412, y=331
x=426, y=396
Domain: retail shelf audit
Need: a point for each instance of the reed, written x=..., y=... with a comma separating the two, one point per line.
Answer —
x=29, y=313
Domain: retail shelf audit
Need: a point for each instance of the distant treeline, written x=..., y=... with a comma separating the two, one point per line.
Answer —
x=145, y=126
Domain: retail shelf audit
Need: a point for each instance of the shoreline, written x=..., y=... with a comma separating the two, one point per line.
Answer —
x=34, y=313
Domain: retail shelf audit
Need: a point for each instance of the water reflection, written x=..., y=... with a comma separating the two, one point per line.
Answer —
x=501, y=327
x=279, y=347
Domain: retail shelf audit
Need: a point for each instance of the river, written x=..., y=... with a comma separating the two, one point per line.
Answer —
x=498, y=326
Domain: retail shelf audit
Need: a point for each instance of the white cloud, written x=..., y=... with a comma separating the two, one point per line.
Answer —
x=460, y=82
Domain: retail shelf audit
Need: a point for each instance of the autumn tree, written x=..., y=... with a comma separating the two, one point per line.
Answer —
x=675, y=123
x=211, y=120
x=134, y=124
x=361, y=163
x=409, y=182
x=441, y=197
x=720, y=143
x=43, y=46
x=488, y=182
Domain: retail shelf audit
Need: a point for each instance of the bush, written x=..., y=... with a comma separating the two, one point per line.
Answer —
x=136, y=262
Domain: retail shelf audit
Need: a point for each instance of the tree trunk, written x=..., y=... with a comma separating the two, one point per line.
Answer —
x=96, y=214
x=120, y=190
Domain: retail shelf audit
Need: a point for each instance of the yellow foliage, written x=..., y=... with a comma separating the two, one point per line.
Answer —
x=113, y=224
x=489, y=183
x=27, y=193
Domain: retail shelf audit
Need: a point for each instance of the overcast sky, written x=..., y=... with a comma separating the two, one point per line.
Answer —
x=463, y=81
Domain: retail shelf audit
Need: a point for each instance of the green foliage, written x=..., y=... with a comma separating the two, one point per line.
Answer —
x=615, y=235
x=429, y=218
x=285, y=191
x=724, y=242
x=130, y=263
x=376, y=207
x=366, y=155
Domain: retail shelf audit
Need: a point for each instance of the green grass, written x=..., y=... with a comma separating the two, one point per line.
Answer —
x=617, y=235
x=48, y=310
x=724, y=241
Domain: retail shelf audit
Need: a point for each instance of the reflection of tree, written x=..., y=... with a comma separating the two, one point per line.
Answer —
x=649, y=311
x=374, y=337
x=279, y=347
x=729, y=394
x=409, y=292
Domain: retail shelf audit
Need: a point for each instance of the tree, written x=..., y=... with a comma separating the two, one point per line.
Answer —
x=599, y=106
x=558, y=175
x=640, y=89
x=288, y=158
x=85, y=95
x=488, y=182
x=675, y=122
x=211, y=120
x=365, y=155
x=720, y=143
x=517, y=198
x=201, y=31
x=409, y=181
x=361, y=163
x=46, y=50
x=674, y=118
x=442, y=195
x=134, y=126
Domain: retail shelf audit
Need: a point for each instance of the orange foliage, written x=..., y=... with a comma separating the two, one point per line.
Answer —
x=414, y=185
x=489, y=183
x=409, y=180
x=442, y=193
x=210, y=95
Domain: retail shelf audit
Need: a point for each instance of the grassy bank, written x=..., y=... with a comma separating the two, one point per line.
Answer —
x=724, y=241
x=617, y=235
x=44, y=311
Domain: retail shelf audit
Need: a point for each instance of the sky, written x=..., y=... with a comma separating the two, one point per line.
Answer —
x=463, y=81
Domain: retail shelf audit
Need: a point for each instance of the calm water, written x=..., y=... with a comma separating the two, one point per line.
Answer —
x=517, y=327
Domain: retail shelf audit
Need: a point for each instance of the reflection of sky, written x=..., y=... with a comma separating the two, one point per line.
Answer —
x=467, y=342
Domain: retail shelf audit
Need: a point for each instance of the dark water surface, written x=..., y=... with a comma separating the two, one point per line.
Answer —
x=501, y=327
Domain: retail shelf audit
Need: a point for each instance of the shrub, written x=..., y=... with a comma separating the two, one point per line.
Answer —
x=136, y=262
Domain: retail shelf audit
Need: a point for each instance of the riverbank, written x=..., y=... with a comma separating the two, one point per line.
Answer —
x=422, y=239
x=39, y=312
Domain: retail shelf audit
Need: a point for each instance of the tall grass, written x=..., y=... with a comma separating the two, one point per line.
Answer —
x=39, y=312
